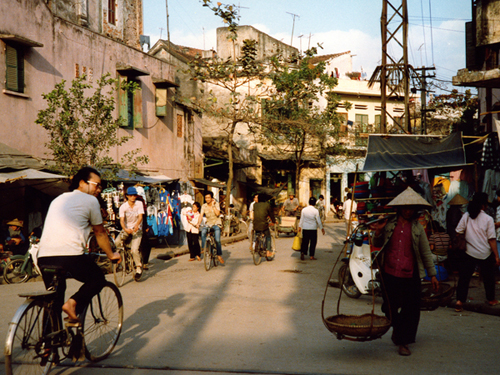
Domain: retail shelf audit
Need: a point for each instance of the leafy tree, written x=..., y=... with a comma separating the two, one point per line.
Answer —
x=234, y=85
x=82, y=128
x=300, y=117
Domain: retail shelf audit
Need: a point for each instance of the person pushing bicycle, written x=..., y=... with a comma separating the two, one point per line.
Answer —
x=64, y=237
x=262, y=211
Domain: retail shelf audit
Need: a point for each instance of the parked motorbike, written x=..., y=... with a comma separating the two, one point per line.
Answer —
x=21, y=268
x=233, y=223
x=360, y=274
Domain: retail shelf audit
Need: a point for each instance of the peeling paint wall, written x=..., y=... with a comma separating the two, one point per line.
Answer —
x=487, y=22
x=267, y=45
x=94, y=14
x=70, y=50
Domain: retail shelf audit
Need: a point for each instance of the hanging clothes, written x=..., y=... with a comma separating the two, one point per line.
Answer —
x=491, y=153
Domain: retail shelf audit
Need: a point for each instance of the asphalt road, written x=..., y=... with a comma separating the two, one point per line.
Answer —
x=240, y=318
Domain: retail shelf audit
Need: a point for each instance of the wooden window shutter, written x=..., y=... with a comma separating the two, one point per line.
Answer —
x=161, y=102
x=179, y=125
x=112, y=12
x=138, y=124
x=122, y=101
x=12, y=69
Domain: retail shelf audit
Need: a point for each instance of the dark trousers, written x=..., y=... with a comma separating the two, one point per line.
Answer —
x=145, y=249
x=193, y=244
x=309, y=240
x=79, y=267
x=402, y=306
x=465, y=271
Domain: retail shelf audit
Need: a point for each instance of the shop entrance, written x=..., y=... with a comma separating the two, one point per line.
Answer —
x=336, y=186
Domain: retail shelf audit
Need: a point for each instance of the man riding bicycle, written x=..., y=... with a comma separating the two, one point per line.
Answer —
x=65, y=234
x=261, y=212
x=131, y=214
x=211, y=210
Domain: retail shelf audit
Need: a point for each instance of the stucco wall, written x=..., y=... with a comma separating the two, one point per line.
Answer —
x=69, y=48
x=267, y=46
x=487, y=15
x=93, y=14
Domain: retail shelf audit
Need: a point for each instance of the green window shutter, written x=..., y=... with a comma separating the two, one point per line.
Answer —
x=161, y=102
x=123, y=102
x=138, y=124
x=12, y=69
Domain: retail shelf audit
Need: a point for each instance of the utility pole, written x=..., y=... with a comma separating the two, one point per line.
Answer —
x=300, y=38
x=394, y=72
x=168, y=29
x=293, y=25
x=423, y=96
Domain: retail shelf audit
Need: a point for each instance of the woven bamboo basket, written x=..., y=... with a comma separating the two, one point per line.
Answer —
x=358, y=327
x=430, y=300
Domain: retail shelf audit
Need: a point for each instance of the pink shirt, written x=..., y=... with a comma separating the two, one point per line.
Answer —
x=399, y=259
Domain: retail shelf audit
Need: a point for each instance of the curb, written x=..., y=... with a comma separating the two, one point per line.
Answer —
x=176, y=252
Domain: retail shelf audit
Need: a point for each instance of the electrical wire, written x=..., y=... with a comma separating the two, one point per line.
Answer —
x=432, y=39
x=423, y=31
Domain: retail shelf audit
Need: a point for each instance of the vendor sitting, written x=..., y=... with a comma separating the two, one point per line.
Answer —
x=14, y=238
x=439, y=243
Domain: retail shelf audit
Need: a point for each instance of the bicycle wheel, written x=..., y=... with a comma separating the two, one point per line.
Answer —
x=347, y=283
x=256, y=252
x=207, y=255
x=119, y=270
x=24, y=352
x=215, y=259
x=102, y=323
x=12, y=273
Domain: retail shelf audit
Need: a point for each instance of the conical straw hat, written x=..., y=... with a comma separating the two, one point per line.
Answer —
x=409, y=198
x=458, y=200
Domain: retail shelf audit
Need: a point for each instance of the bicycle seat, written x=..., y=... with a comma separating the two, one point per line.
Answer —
x=41, y=294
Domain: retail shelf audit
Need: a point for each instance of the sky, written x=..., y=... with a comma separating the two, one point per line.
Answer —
x=436, y=28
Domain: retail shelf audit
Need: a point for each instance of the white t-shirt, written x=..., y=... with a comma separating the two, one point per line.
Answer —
x=347, y=208
x=68, y=223
x=479, y=231
x=131, y=214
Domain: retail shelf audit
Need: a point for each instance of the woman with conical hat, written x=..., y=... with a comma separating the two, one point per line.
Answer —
x=404, y=258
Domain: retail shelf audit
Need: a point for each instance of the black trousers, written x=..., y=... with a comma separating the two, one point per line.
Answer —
x=309, y=241
x=402, y=306
x=193, y=244
x=465, y=271
x=81, y=268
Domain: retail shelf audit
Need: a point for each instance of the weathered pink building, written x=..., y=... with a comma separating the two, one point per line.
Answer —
x=45, y=41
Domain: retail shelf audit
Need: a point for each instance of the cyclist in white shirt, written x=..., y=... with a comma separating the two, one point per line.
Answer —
x=67, y=226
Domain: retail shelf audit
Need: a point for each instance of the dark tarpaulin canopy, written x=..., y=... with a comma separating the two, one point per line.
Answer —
x=405, y=152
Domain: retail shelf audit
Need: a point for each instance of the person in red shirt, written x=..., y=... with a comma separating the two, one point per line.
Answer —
x=404, y=257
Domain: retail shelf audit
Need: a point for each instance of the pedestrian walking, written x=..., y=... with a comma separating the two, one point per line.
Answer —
x=404, y=257
x=309, y=224
x=481, y=250
x=191, y=227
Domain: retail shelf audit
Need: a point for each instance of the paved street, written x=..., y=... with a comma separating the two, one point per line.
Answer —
x=266, y=319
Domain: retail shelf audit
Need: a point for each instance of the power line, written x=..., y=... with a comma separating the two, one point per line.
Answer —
x=438, y=28
x=423, y=30
x=432, y=40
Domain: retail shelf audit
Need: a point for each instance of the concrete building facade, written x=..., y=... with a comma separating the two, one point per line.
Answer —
x=45, y=42
x=482, y=65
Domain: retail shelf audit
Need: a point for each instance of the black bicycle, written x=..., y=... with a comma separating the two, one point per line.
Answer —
x=210, y=250
x=37, y=340
x=259, y=249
